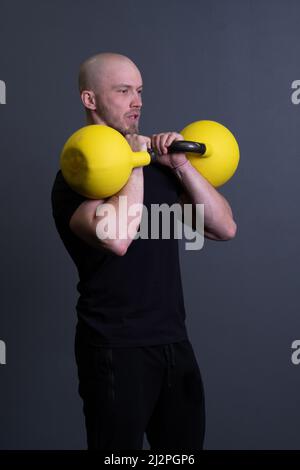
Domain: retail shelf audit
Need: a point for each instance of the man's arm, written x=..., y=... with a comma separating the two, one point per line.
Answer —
x=85, y=221
x=218, y=217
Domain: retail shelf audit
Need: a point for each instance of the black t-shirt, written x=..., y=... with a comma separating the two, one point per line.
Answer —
x=130, y=300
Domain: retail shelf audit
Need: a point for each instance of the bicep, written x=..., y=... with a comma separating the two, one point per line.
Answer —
x=83, y=223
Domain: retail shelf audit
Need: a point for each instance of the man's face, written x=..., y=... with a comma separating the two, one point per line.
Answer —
x=118, y=98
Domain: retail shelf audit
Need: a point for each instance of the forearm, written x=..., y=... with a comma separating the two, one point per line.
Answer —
x=218, y=217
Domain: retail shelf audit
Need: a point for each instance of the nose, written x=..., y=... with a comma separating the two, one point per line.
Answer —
x=136, y=100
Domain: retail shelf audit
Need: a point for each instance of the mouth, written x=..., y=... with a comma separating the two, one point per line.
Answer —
x=133, y=117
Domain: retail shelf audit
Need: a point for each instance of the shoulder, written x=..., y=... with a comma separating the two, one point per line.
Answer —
x=64, y=200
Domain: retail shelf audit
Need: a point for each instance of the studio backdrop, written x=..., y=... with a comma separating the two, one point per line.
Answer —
x=231, y=61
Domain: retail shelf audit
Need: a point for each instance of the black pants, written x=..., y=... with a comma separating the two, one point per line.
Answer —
x=129, y=391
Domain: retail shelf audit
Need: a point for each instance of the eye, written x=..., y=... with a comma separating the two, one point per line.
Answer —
x=123, y=91
x=140, y=92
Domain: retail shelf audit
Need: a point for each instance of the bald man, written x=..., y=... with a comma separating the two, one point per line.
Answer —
x=137, y=370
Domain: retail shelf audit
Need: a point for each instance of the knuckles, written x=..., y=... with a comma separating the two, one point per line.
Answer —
x=137, y=141
x=157, y=141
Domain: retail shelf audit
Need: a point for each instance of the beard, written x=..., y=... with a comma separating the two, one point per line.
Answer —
x=116, y=123
x=124, y=129
x=132, y=129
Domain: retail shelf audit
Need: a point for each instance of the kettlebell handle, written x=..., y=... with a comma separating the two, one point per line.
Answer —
x=181, y=146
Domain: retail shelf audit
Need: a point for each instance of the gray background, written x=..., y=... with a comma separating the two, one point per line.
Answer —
x=231, y=61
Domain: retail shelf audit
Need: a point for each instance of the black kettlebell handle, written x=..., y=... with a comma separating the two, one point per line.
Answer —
x=181, y=146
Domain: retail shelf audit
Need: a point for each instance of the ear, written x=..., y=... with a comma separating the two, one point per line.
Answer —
x=88, y=99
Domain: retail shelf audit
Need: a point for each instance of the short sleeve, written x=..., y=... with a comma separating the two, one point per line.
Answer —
x=64, y=200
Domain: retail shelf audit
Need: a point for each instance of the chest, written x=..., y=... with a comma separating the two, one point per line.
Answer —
x=160, y=185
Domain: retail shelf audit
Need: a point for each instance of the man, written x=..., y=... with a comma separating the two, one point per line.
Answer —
x=137, y=369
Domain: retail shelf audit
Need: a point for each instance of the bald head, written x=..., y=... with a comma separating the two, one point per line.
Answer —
x=100, y=67
x=110, y=88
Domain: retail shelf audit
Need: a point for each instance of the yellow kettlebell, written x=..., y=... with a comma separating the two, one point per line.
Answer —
x=96, y=161
x=221, y=157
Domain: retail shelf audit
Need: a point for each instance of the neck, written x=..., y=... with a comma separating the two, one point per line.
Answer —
x=93, y=118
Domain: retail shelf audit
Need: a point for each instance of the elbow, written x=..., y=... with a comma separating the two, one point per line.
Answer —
x=230, y=231
x=118, y=247
x=115, y=246
x=121, y=249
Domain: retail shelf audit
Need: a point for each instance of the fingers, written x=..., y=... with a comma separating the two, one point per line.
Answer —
x=162, y=141
x=148, y=142
x=138, y=142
